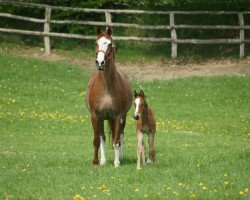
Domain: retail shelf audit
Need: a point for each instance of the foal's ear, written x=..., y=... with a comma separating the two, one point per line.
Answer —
x=109, y=31
x=141, y=93
x=135, y=93
x=98, y=30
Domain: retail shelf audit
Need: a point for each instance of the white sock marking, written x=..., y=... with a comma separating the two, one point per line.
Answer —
x=103, y=158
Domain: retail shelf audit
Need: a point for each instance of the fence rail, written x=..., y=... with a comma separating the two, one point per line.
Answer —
x=241, y=27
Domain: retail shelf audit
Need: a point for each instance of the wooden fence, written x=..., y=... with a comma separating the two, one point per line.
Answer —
x=172, y=27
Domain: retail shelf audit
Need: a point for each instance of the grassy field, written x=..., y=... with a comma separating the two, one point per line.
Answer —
x=46, y=152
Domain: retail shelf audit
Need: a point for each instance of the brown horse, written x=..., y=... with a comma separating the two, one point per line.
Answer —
x=109, y=97
x=145, y=123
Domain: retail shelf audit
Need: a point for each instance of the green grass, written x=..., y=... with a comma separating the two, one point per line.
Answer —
x=46, y=150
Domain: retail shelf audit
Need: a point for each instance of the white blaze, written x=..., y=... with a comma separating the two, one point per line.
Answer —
x=103, y=45
x=137, y=103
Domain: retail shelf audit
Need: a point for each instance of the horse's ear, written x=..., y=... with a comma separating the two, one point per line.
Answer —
x=135, y=93
x=98, y=30
x=109, y=31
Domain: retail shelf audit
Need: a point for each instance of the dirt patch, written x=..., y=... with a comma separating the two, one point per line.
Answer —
x=155, y=70
x=173, y=70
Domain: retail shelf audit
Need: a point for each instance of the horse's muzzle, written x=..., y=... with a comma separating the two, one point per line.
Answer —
x=100, y=66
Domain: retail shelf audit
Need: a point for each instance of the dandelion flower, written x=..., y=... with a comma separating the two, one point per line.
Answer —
x=136, y=190
x=241, y=193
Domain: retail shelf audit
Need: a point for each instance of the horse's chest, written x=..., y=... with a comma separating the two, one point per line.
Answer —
x=105, y=103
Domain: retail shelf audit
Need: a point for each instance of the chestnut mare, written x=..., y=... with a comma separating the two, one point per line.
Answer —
x=145, y=123
x=109, y=97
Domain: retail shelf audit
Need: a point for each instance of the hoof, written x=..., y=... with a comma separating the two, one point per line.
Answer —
x=95, y=162
x=149, y=161
x=102, y=162
x=117, y=164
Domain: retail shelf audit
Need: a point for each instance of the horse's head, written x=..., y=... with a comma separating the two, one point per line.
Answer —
x=104, y=48
x=139, y=103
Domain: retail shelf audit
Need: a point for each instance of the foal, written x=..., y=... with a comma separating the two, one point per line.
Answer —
x=145, y=123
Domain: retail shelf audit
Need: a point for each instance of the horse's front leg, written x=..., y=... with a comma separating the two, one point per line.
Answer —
x=97, y=127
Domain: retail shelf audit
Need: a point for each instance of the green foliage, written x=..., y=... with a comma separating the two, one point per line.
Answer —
x=202, y=138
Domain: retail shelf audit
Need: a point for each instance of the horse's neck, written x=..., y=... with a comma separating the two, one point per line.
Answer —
x=145, y=115
x=109, y=75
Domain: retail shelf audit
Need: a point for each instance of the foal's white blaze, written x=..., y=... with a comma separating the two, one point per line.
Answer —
x=103, y=158
x=103, y=45
x=137, y=103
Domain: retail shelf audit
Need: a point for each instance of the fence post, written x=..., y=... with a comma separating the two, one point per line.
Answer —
x=108, y=17
x=173, y=35
x=46, y=29
x=242, y=36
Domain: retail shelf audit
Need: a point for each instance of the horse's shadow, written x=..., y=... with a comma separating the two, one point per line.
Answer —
x=125, y=161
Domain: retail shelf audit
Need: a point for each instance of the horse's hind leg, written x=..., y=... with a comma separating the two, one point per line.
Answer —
x=151, y=158
x=123, y=123
x=102, y=145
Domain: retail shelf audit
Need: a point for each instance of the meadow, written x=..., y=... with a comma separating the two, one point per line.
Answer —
x=46, y=151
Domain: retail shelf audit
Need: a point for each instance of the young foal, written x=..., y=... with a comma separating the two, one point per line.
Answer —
x=109, y=97
x=145, y=123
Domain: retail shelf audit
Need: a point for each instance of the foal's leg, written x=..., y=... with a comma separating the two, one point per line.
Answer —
x=151, y=158
x=140, y=150
x=96, y=123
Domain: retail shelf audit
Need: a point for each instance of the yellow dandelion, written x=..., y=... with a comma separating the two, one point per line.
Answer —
x=226, y=182
x=180, y=184
x=241, y=193
x=137, y=190
x=78, y=197
x=200, y=184
x=175, y=193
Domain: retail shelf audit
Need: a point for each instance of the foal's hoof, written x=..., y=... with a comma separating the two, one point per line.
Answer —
x=149, y=161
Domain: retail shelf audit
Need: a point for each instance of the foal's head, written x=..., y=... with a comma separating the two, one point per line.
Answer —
x=104, y=48
x=140, y=104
